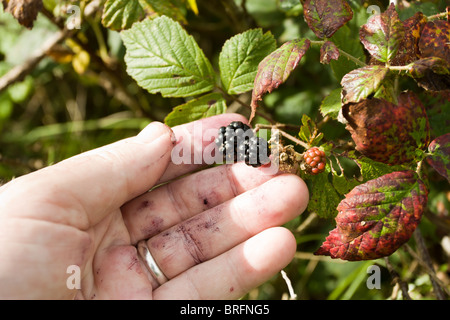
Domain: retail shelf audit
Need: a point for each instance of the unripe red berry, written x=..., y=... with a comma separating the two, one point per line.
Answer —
x=315, y=161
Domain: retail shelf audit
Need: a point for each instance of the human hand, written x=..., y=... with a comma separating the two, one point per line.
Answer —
x=213, y=233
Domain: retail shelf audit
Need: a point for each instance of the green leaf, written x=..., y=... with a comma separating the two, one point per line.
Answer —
x=308, y=131
x=206, y=106
x=342, y=184
x=359, y=84
x=371, y=169
x=121, y=14
x=164, y=59
x=324, y=198
x=169, y=8
x=382, y=34
x=239, y=59
x=331, y=105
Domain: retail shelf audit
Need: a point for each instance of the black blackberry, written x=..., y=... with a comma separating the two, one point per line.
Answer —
x=237, y=142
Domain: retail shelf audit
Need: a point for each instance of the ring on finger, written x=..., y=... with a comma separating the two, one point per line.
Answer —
x=150, y=262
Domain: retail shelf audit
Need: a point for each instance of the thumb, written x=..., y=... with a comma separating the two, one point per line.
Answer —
x=102, y=179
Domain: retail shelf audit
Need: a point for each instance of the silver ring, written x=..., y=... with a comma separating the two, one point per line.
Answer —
x=150, y=263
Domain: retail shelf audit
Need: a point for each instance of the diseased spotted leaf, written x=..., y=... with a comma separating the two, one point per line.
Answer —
x=382, y=34
x=408, y=50
x=206, y=106
x=274, y=69
x=439, y=157
x=325, y=17
x=377, y=217
x=361, y=83
x=421, y=67
x=328, y=51
x=25, y=11
x=388, y=133
x=434, y=40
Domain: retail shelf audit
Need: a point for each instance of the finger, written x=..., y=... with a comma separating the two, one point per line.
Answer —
x=97, y=181
x=216, y=230
x=163, y=207
x=235, y=272
x=119, y=275
x=195, y=144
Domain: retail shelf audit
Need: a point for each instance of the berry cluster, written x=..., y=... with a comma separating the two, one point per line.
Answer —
x=315, y=160
x=237, y=142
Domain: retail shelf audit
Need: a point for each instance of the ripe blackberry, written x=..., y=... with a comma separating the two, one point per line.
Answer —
x=315, y=161
x=237, y=142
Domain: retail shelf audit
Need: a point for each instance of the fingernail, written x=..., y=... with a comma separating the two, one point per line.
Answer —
x=153, y=131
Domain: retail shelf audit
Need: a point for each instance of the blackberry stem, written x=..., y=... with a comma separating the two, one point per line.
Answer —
x=283, y=133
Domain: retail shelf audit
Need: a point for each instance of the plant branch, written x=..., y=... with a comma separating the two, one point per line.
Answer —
x=292, y=295
x=437, y=16
x=396, y=278
x=284, y=134
x=19, y=72
x=425, y=257
x=294, y=139
x=428, y=269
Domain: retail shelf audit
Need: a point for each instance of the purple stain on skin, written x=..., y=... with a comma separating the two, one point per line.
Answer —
x=153, y=227
x=145, y=205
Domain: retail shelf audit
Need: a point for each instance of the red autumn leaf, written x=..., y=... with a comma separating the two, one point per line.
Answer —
x=439, y=157
x=382, y=34
x=328, y=51
x=377, y=217
x=325, y=17
x=274, y=69
x=388, y=133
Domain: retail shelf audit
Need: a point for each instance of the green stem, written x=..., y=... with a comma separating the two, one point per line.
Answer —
x=437, y=16
x=343, y=53
x=284, y=134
